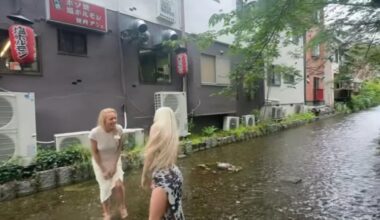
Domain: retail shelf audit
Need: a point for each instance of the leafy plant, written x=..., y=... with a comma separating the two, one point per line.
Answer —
x=368, y=96
x=46, y=159
x=209, y=130
x=134, y=155
x=72, y=155
x=10, y=171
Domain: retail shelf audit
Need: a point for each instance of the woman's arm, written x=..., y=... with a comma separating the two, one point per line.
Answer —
x=158, y=204
x=95, y=154
x=118, y=154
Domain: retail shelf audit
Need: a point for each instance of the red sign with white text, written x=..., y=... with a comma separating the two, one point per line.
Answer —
x=77, y=13
x=23, y=44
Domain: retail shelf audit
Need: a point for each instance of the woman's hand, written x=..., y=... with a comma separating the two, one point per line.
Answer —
x=107, y=175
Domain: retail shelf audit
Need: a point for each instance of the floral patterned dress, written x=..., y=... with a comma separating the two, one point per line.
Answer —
x=171, y=181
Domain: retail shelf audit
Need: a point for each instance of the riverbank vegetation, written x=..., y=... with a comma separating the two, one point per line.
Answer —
x=261, y=128
x=367, y=97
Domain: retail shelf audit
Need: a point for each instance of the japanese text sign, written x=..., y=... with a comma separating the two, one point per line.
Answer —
x=77, y=13
x=23, y=44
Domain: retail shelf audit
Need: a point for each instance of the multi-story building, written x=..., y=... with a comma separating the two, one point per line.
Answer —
x=284, y=94
x=94, y=54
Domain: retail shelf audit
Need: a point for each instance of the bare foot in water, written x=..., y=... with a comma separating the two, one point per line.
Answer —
x=123, y=213
x=106, y=216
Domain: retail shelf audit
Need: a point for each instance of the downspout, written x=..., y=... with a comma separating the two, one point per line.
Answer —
x=304, y=68
x=184, y=79
x=121, y=60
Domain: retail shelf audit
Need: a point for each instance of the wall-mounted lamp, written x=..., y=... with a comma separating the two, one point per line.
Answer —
x=19, y=19
x=137, y=30
x=165, y=36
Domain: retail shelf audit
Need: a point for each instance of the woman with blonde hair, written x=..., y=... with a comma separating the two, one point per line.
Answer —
x=160, y=172
x=106, y=161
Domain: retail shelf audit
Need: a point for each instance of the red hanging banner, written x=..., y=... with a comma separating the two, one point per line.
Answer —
x=23, y=44
x=182, y=65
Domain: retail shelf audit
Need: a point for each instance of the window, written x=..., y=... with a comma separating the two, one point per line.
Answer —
x=71, y=42
x=315, y=52
x=208, y=72
x=274, y=79
x=8, y=65
x=295, y=39
x=215, y=69
x=289, y=79
x=154, y=66
x=317, y=16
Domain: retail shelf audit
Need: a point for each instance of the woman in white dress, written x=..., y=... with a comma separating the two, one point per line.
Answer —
x=106, y=161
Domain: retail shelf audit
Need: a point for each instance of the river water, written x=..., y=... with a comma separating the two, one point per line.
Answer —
x=329, y=169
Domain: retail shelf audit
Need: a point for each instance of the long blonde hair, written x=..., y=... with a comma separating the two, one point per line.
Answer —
x=162, y=147
x=102, y=116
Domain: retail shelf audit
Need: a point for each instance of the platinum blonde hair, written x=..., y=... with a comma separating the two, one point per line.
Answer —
x=102, y=116
x=162, y=147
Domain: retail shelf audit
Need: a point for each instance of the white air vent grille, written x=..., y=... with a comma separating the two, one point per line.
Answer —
x=177, y=102
x=7, y=147
x=171, y=101
x=6, y=112
x=68, y=142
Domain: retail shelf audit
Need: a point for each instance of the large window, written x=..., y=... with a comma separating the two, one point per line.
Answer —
x=70, y=42
x=215, y=70
x=289, y=79
x=316, y=51
x=274, y=79
x=154, y=66
x=8, y=65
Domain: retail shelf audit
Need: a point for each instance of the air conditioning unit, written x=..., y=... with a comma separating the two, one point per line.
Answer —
x=230, y=122
x=177, y=102
x=277, y=112
x=299, y=108
x=135, y=137
x=17, y=127
x=65, y=140
x=248, y=120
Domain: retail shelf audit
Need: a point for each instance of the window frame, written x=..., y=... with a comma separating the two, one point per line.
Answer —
x=22, y=72
x=271, y=77
x=62, y=52
x=216, y=58
x=316, y=51
x=169, y=57
x=287, y=81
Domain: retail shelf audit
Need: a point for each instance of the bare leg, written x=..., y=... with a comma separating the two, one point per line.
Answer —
x=106, y=209
x=120, y=196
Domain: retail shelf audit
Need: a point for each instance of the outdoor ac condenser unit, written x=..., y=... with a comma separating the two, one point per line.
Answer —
x=177, y=102
x=135, y=137
x=248, y=120
x=230, y=122
x=65, y=140
x=17, y=126
x=299, y=108
x=277, y=112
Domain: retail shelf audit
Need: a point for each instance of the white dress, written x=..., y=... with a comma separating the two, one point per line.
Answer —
x=107, y=147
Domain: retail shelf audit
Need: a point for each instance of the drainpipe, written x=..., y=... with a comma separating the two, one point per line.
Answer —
x=184, y=79
x=304, y=68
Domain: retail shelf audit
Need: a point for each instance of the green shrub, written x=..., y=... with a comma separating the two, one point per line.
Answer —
x=209, y=130
x=368, y=96
x=10, y=171
x=46, y=159
x=72, y=155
